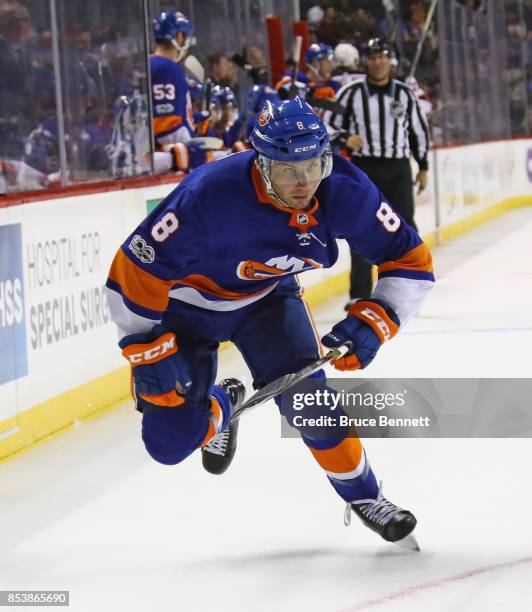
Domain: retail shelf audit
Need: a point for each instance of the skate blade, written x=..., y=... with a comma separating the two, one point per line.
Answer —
x=409, y=543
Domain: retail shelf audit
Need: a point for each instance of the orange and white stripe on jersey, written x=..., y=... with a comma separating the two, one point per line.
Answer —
x=418, y=259
x=344, y=461
x=139, y=286
x=166, y=124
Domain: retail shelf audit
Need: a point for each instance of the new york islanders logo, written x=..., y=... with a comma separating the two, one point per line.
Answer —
x=277, y=266
x=264, y=117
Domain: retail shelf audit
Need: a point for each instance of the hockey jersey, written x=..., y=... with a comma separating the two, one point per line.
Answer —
x=219, y=242
x=172, y=106
x=308, y=88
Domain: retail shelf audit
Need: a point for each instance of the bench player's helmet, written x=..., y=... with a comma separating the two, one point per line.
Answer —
x=318, y=51
x=168, y=24
x=289, y=132
x=227, y=97
x=257, y=97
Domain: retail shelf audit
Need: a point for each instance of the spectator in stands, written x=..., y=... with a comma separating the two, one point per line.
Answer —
x=87, y=135
x=15, y=69
x=364, y=27
x=221, y=69
x=473, y=5
x=252, y=60
x=388, y=24
x=232, y=75
x=330, y=30
x=41, y=83
x=409, y=32
x=410, y=29
x=375, y=8
x=117, y=75
x=515, y=73
x=314, y=17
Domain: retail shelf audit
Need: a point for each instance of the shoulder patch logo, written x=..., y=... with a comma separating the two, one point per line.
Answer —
x=140, y=249
x=397, y=109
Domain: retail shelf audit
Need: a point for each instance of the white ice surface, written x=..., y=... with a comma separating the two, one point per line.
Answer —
x=90, y=512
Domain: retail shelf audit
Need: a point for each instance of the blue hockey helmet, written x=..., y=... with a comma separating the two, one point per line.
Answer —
x=216, y=96
x=227, y=97
x=168, y=23
x=318, y=51
x=290, y=132
x=196, y=91
x=258, y=95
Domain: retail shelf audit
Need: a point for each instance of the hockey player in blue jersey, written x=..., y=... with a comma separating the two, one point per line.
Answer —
x=173, y=121
x=217, y=260
x=317, y=82
x=172, y=107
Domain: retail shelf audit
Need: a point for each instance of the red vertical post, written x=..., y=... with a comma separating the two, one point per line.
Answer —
x=300, y=28
x=276, y=47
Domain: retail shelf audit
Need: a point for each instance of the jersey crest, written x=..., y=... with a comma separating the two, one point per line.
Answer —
x=264, y=117
x=274, y=267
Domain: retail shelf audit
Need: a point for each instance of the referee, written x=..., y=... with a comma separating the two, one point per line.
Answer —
x=386, y=126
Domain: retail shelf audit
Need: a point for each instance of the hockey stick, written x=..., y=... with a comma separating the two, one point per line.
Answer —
x=283, y=383
x=424, y=32
x=194, y=67
x=329, y=105
x=207, y=142
x=296, y=55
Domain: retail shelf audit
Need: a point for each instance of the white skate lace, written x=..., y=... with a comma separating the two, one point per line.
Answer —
x=218, y=445
x=379, y=510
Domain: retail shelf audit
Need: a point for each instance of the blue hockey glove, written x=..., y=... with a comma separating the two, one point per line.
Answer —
x=199, y=116
x=159, y=373
x=187, y=156
x=369, y=323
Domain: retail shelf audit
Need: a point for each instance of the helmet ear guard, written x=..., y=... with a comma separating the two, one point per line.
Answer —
x=328, y=162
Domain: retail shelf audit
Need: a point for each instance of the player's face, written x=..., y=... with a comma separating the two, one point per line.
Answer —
x=379, y=66
x=296, y=183
x=325, y=67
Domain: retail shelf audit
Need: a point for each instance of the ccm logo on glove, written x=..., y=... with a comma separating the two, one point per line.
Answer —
x=379, y=322
x=160, y=374
x=369, y=323
x=150, y=353
x=373, y=313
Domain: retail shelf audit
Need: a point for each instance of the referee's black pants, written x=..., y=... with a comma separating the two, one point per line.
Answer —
x=394, y=178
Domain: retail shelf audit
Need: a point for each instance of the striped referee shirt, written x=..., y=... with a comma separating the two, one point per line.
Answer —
x=388, y=118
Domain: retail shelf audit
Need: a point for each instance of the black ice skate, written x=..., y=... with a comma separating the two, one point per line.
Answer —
x=219, y=452
x=392, y=523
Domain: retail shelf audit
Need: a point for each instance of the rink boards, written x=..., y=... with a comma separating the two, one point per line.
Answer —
x=58, y=355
